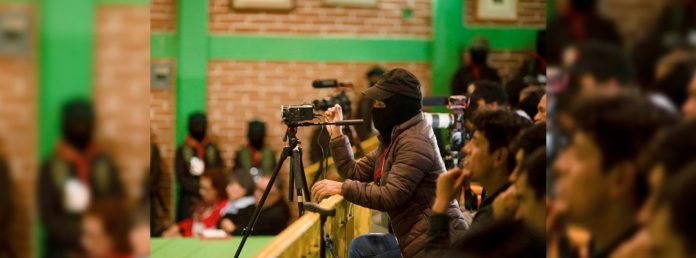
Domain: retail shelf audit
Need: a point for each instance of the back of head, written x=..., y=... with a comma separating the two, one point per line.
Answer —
x=677, y=197
x=489, y=92
x=529, y=139
x=604, y=62
x=673, y=148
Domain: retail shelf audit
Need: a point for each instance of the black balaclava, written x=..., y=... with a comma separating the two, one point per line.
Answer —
x=399, y=109
x=478, y=56
x=78, y=123
x=256, y=133
x=583, y=6
x=198, y=124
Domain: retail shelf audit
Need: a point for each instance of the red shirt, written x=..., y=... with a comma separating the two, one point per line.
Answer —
x=209, y=222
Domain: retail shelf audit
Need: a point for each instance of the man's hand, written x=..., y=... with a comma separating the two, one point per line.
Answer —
x=448, y=184
x=172, y=231
x=325, y=188
x=334, y=114
x=228, y=226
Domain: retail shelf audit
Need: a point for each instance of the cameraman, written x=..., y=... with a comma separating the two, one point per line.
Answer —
x=399, y=177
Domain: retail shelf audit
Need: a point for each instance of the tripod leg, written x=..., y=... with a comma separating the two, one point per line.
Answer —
x=296, y=170
x=250, y=225
x=291, y=181
x=303, y=176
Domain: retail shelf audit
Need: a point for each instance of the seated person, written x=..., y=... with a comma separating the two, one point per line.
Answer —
x=275, y=213
x=206, y=214
x=139, y=234
x=255, y=157
x=241, y=202
x=105, y=229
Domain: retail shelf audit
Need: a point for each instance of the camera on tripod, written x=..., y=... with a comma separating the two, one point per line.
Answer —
x=294, y=114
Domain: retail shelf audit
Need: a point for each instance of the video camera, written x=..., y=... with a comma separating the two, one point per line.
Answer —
x=340, y=98
x=454, y=121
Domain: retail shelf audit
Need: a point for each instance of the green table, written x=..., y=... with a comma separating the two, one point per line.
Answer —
x=191, y=247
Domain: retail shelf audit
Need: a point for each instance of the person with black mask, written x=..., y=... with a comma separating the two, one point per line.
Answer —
x=475, y=69
x=192, y=157
x=255, y=157
x=71, y=178
x=399, y=176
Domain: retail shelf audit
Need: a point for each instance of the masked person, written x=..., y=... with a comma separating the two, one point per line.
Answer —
x=399, y=176
x=195, y=155
x=71, y=178
x=476, y=68
x=255, y=157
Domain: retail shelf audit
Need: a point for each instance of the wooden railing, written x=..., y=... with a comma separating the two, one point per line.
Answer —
x=301, y=238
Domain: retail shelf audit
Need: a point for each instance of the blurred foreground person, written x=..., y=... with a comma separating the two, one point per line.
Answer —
x=194, y=156
x=673, y=228
x=6, y=210
x=208, y=211
x=663, y=160
x=399, y=176
x=74, y=176
x=689, y=108
x=597, y=180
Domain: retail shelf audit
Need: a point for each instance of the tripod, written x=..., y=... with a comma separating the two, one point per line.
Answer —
x=297, y=178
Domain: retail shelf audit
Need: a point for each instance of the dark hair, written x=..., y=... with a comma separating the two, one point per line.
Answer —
x=489, y=91
x=676, y=82
x=535, y=168
x=530, y=103
x=244, y=179
x=113, y=215
x=677, y=196
x=603, y=61
x=621, y=126
x=219, y=179
x=529, y=139
x=500, y=127
x=673, y=148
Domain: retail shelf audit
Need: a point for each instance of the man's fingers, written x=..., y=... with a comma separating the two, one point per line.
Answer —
x=461, y=178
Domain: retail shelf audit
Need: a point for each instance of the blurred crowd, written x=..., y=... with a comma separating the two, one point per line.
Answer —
x=621, y=136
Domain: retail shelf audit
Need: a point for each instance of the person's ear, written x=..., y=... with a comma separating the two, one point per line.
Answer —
x=622, y=179
x=501, y=156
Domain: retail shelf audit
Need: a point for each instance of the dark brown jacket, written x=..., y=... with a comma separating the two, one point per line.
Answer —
x=407, y=186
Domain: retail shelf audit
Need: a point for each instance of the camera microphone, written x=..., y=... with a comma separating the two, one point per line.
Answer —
x=330, y=83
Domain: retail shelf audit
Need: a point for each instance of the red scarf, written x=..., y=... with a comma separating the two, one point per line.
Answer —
x=199, y=146
x=209, y=222
x=82, y=160
x=382, y=158
x=577, y=25
x=475, y=70
x=255, y=156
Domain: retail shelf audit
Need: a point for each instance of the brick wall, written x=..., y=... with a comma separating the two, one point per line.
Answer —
x=240, y=91
x=634, y=19
x=529, y=13
x=312, y=17
x=18, y=128
x=163, y=15
x=507, y=62
x=122, y=78
x=163, y=130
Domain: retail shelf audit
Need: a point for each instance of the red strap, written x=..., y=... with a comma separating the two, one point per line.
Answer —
x=382, y=157
x=197, y=145
x=475, y=71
